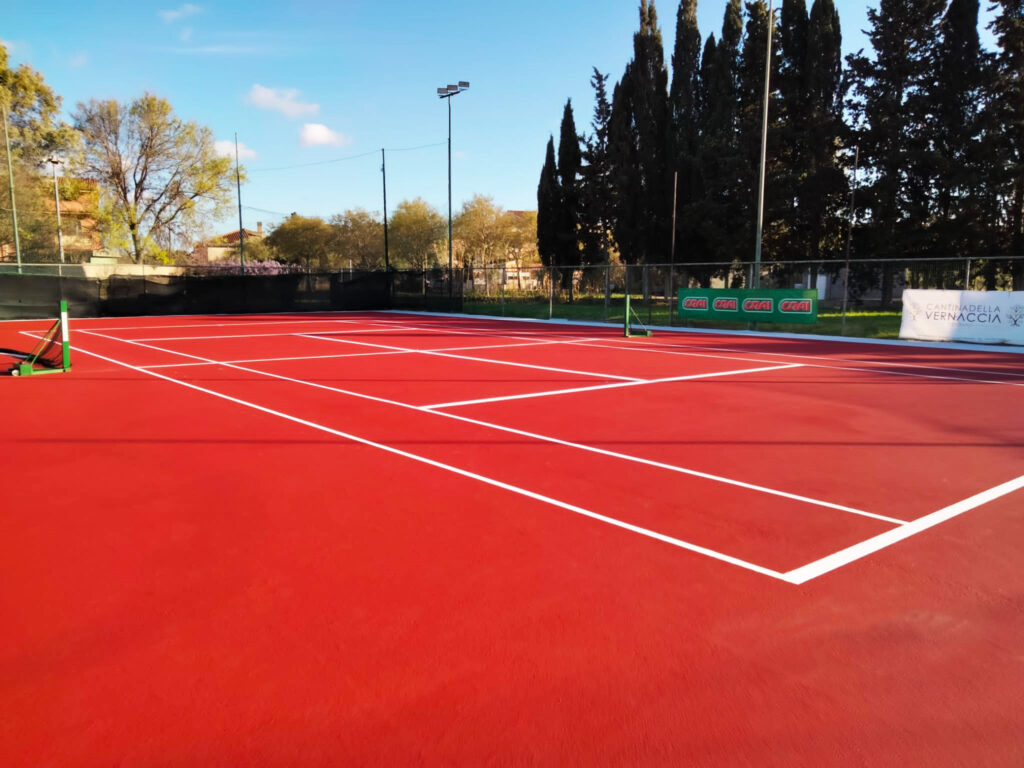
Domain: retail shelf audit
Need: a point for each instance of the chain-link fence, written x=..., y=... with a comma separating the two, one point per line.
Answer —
x=597, y=292
x=97, y=290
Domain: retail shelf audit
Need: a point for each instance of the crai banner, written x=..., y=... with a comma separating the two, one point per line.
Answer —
x=771, y=305
x=986, y=317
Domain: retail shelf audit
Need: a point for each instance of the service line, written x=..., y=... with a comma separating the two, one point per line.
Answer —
x=609, y=386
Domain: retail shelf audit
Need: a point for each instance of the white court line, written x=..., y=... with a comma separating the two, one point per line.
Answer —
x=618, y=384
x=233, y=324
x=346, y=354
x=261, y=335
x=535, y=436
x=459, y=471
x=863, y=549
x=438, y=353
x=865, y=366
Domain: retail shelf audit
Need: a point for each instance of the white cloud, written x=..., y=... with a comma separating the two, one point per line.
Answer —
x=284, y=100
x=180, y=13
x=316, y=135
x=226, y=148
x=79, y=60
x=186, y=34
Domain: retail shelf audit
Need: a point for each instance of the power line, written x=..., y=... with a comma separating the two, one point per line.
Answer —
x=345, y=159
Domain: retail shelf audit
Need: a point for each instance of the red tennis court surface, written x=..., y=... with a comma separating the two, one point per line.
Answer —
x=392, y=539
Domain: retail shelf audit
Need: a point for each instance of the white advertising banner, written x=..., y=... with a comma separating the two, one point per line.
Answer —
x=986, y=317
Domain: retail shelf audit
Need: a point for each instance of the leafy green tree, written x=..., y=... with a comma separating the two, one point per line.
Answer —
x=549, y=203
x=521, y=227
x=359, y=238
x=36, y=133
x=161, y=175
x=482, y=228
x=306, y=240
x=417, y=233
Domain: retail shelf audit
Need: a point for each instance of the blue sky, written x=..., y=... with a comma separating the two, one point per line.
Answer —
x=306, y=83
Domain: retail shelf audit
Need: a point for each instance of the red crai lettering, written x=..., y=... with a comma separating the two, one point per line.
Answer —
x=695, y=303
x=757, y=305
x=795, y=305
x=723, y=305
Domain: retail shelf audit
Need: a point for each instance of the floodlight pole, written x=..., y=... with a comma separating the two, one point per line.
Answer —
x=56, y=199
x=756, y=281
x=241, y=230
x=10, y=182
x=849, y=239
x=447, y=92
x=384, y=180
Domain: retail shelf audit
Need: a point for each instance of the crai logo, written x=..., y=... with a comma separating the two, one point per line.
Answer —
x=695, y=302
x=798, y=306
x=727, y=304
x=758, y=305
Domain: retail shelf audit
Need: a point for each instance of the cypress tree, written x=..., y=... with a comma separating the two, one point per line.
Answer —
x=685, y=102
x=1008, y=121
x=596, y=204
x=721, y=165
x=569, y=163
x=641, y=135
x=751, y=110
x=548, y=208
x=956, y=99
x=792, y=108
x=891, y=106
x=823, y=192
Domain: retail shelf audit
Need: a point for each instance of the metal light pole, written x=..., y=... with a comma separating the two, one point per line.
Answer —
x=56, y=199
x=756, y=281
x=384, y=181
x=241, y=229
x=447, y=92
x=10, y=182
x=849, y=239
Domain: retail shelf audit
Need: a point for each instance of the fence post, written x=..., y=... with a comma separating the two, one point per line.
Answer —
x=504, y=277
x=551, y=295
x=607, y=289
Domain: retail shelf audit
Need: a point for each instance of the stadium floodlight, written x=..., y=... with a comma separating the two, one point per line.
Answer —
x=447, y=92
